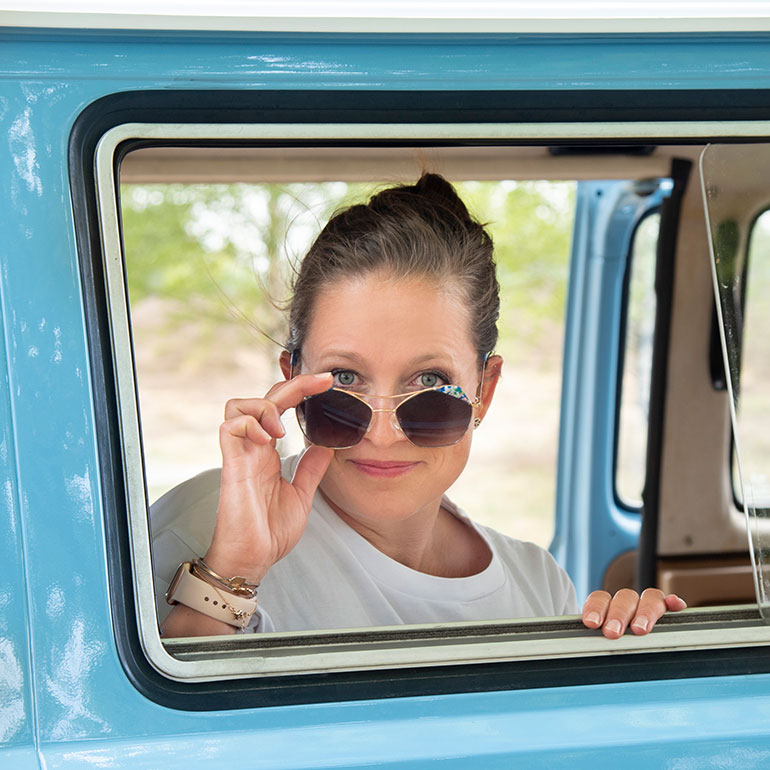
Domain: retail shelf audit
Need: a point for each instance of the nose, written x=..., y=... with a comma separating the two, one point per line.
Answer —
x=384, y=428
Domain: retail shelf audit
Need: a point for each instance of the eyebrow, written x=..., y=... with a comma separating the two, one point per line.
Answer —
x=355, y=358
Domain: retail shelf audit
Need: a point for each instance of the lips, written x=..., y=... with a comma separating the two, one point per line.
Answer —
x=383, y=468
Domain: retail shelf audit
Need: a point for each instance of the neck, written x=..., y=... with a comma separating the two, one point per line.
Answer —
x=432, y=541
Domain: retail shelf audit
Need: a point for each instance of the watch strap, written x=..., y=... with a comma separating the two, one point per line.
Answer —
x=203, y=597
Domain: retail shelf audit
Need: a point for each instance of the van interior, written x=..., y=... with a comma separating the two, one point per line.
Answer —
x=693, y=539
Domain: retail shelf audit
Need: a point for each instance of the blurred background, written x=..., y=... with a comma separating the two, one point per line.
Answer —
x=209, y=271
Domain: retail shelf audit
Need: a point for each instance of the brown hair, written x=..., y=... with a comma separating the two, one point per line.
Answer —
x=411, y=231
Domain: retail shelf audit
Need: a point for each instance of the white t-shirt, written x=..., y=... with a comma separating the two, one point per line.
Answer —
x=335, y=578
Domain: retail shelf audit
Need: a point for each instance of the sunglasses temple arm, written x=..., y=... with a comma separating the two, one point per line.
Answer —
x=293, y=359
x=477, y=400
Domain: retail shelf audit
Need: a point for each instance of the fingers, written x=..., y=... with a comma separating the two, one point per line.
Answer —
x=283, y=395
x=310, y=470
x=243, y=427
x=289, y=393
x=595, y=609
x=626, y=608
x=259, y=419
x=612, y=614
x=265, y=412
x=651, y=607
x=241, y=436
x=675, y=604
x=653, y=604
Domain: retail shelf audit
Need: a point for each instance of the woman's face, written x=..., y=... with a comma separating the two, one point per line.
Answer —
x=383, y=335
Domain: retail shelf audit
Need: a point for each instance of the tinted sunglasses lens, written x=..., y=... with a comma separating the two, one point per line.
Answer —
x=333, y=419
x=433, y=418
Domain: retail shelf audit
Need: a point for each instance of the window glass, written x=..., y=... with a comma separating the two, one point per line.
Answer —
x=753, y=409
x=637, y=364
x=209, y=268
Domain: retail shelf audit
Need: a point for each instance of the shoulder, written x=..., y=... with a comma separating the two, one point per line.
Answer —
x=189, y=509
x=533, y=570
x=197, y=492
x=536, y=571
x=190, y=492
x=182, y=522
x=525, y=555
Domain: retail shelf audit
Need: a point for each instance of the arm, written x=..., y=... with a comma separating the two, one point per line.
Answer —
x=260, y=516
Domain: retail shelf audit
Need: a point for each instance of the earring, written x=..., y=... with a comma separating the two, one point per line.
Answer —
x=477, y=422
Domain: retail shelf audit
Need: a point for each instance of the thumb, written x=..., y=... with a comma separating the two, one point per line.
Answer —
x=310, y=470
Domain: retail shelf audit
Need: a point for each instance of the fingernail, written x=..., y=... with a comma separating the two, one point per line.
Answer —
x=613, y=627
x=322, y=375
x=594, y=618
x=641, y=623
x=283, y=427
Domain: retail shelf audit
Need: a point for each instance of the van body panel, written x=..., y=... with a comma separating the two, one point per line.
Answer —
x=62, y=683
x=688, y=721
x=16, y=673
x=91, y=62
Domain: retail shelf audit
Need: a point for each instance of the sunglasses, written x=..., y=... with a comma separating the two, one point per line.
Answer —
x=433, y=417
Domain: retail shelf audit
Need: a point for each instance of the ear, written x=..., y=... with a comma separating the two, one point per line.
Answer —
x=285, y=361
x=492, y=371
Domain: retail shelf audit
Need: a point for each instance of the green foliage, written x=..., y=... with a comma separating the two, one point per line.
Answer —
x=221, y=252
x=165, y=256
x=218, y=252
x=531, y=225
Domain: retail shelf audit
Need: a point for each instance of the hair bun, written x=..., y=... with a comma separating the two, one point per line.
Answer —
x=441, y=192
x=439, y=201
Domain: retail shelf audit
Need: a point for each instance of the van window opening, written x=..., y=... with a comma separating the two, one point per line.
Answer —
x=201, y=655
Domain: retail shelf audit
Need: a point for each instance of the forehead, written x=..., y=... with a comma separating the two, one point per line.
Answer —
x=391, y=318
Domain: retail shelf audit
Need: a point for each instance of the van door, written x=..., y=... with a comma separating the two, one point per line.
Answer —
x=593, y=527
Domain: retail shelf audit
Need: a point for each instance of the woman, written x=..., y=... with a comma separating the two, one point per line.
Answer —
x=390, y=365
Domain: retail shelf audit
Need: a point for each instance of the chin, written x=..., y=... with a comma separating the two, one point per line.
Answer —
x=390, y=493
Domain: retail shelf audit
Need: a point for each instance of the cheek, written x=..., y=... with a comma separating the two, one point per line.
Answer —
x=457, y=457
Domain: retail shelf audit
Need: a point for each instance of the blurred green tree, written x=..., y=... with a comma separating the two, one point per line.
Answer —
x=219, y=252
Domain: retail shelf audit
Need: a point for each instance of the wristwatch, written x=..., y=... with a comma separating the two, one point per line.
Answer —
x=201, y=596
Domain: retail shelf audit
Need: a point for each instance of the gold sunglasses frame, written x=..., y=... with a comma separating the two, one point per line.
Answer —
x=404, y=396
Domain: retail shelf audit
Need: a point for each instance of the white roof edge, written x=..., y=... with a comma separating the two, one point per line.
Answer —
x=384, y=24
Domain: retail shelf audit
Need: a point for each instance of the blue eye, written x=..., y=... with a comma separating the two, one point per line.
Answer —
x=430, y=380
x=344, y=378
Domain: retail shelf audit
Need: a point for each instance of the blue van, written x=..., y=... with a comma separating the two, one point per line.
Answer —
x=645, y=123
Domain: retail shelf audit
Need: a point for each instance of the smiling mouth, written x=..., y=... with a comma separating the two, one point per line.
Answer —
x=383, y=468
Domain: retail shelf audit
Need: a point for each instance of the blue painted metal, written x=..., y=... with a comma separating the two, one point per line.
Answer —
x=113, y=61
x=16, y=700
x=591, y=527
x=83, y=709
x=658, y=724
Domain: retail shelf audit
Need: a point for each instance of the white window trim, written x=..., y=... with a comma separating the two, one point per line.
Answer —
x=396, y=16
x=400, y=653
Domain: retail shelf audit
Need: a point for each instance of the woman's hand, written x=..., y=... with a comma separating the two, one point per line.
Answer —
x=261, y=515
x=614, y=614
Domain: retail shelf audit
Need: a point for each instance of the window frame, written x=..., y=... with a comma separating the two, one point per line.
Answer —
x=102, y=135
